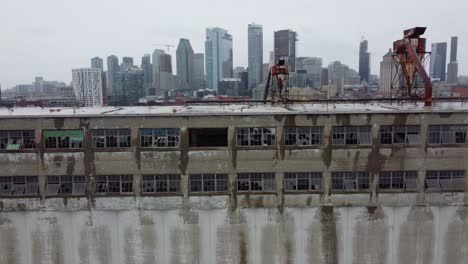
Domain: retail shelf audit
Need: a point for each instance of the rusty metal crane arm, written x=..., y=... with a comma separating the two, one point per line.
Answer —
x=406, y=45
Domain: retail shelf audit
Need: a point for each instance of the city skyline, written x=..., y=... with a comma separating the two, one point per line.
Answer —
x=52, y=58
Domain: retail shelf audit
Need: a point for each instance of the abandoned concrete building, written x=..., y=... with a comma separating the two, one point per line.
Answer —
x=238, y=183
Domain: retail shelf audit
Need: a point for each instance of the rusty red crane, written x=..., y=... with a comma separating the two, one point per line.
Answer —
x=277, y=80
x=409, y=54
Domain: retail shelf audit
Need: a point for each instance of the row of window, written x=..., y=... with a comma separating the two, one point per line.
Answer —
x=448, y=180
x=251, y=136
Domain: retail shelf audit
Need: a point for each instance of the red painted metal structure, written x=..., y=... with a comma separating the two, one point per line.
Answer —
x=409, y=53
x=277, y=78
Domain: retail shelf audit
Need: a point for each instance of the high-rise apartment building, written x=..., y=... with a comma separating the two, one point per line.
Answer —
x=185, y=64
x=147, y=68
x=364, y=62
x=218, y=56
x=155, y=57
x=97, y=63
x=285, y=48
x=87, y=83
x=255, y=55
x=387, y=68
x=112, y=69
x=129, y=87
x=452, y=67
x=438, y=60
x=199, y=71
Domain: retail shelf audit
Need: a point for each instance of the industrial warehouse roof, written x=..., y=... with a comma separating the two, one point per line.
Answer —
x=237, y=109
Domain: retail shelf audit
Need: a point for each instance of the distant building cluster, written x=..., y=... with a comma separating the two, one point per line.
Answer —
x=212, y=74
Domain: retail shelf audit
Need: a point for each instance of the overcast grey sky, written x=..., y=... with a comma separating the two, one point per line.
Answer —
x=50, y=37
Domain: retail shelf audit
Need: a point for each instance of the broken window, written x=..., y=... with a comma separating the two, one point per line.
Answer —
x=351, y=135
x=63, y=139
x=17, y=139
x=208, y=137
x=399, y=134
x=164, y=183
x=159, y=137
x=111, y=138
x=446, y=180
x=303, y=181
x=256, y=182
x=256, y=136
x=65, y=185
x=303, y=136
x=350, y=181
x=114, y=184
x=209, y=182
x=399, y=180
x=448, y=134
x=18, y=185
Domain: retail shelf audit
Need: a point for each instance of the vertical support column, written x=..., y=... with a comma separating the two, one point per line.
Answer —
x=183, y=162
x=137, y=178
x=232, y=166
x=327, y=157
x=279, y=173
x=375, y=169
x=422, y=170
x=41, y=171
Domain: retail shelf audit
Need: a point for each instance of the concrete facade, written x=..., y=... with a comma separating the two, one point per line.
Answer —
x=373, y=226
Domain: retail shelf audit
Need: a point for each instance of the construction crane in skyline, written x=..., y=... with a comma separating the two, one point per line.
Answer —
x=168, y=46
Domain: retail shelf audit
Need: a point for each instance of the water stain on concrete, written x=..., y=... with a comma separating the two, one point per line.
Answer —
x=95, y=242
x=231, y=244
x=416, y=241
x=457, y=235
x=185, y=244
x=370, y=237
x=47, y=247
x=329, y=234
x=8, y=246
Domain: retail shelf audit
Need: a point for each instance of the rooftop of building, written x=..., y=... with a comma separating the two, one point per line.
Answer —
x=224, y=108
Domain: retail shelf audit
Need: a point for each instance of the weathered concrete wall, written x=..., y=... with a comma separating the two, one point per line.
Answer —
x=372, y=227
x=160, y=230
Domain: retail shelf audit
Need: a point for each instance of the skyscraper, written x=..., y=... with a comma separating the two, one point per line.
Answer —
x=452, y=71
x=386, y=73
x=97, y=63
x=218, y=56
x=364, y=61
x=185, y=64
x=165, y=74
x=285, y=48
x=199, y=71
x=87, y=83
x=112, y=70
x=453, y=49
x=129, y=87
x=155, y=58
x=147, y=73
x=127, y=62
x=438, y=60
x=255, y=41
x=313, y=67
x=336, y=74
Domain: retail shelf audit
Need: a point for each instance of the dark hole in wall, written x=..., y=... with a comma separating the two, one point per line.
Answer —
x=208, y=137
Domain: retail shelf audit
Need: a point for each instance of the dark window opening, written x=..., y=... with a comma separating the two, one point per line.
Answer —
x=17, y=139
x=66, y=185
x=208, y=137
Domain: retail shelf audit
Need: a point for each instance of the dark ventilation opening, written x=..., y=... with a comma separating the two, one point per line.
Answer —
x=208, y=137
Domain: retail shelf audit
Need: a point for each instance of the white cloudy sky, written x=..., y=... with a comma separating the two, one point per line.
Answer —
x=50, y=37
